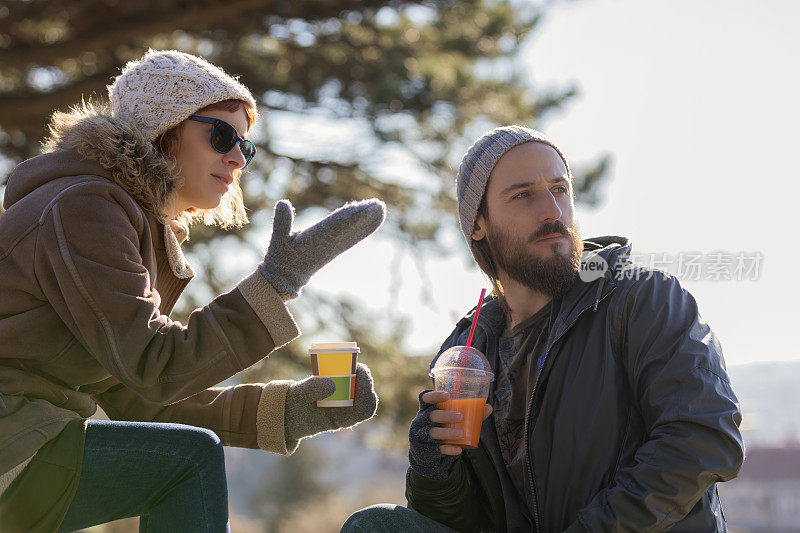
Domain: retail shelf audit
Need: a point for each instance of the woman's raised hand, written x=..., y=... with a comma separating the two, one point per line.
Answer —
x=294, y=256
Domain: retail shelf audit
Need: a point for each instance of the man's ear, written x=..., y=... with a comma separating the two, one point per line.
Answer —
x=479, y=229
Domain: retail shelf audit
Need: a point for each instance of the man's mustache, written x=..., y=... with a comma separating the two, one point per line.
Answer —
x=551, y=227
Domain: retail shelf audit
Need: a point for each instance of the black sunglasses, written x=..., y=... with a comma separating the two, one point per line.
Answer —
x=224, y=137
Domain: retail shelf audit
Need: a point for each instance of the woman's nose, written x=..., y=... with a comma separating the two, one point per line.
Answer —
x=235, y=156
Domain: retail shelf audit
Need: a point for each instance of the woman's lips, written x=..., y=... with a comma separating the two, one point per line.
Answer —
x=222, y=181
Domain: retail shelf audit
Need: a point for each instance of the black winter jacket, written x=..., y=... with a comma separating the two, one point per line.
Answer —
x=631, y=424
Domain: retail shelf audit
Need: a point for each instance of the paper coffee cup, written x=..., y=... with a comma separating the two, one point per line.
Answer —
x=336, y=360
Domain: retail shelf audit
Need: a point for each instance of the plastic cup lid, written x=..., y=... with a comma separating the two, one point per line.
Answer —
x=465, y=372
x=462, y=357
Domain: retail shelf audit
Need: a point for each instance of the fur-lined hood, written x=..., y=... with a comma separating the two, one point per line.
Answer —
x=117, y=145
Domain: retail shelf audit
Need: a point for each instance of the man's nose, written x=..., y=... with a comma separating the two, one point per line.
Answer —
x=547, y=208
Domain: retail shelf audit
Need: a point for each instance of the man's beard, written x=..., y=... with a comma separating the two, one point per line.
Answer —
x=552, y=276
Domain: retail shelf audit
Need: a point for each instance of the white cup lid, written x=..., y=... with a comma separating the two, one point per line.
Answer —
x=346, y=346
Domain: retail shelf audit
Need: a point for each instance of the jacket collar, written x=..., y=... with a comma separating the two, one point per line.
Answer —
x=169, y=237
x=174, y=235
x=609, y=252
x=105, y=145
x=614, y=252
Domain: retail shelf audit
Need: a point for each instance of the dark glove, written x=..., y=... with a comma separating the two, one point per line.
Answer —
x=303, y=418
x=423, y=453
x=293, y=257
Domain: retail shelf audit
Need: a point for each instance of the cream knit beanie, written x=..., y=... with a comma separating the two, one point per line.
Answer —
x=478, y=163
x=165, y=87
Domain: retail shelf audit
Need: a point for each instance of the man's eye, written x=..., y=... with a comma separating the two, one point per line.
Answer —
x=562, y=189
x=523, y=194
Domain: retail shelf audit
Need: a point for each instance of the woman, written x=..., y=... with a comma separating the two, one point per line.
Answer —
x=90, y=268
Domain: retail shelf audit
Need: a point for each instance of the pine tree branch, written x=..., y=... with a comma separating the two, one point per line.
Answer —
x=153, y=18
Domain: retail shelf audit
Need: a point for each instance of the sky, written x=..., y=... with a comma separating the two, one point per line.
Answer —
x=695, y=102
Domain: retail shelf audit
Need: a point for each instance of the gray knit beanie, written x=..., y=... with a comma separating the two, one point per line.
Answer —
x=477, y=165
x=165, y=87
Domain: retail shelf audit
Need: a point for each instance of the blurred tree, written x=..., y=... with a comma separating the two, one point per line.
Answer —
x=355, y=90
x=292, y=485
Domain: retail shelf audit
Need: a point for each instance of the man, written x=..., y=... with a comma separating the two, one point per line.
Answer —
x=611, y=408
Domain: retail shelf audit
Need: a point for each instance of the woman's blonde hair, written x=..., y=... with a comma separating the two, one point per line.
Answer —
x=231, y=211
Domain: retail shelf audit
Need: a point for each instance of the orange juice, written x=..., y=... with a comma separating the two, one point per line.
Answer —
x=472, y=411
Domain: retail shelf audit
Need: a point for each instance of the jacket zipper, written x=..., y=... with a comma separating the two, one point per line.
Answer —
x=528, y=461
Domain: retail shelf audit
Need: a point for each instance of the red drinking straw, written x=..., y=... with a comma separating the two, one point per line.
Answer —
x=475, y=320
x=469, y=343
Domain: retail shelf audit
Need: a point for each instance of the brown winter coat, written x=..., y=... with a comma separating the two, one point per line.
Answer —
x=88, y=277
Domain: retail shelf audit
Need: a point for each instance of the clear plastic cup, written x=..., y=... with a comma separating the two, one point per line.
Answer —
x=465, y=373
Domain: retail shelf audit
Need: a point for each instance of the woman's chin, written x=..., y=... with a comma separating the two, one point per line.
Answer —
x=210, y=203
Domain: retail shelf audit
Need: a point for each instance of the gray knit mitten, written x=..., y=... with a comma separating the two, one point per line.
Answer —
x=293, y=257
x=423, y=451
x=302, y=417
